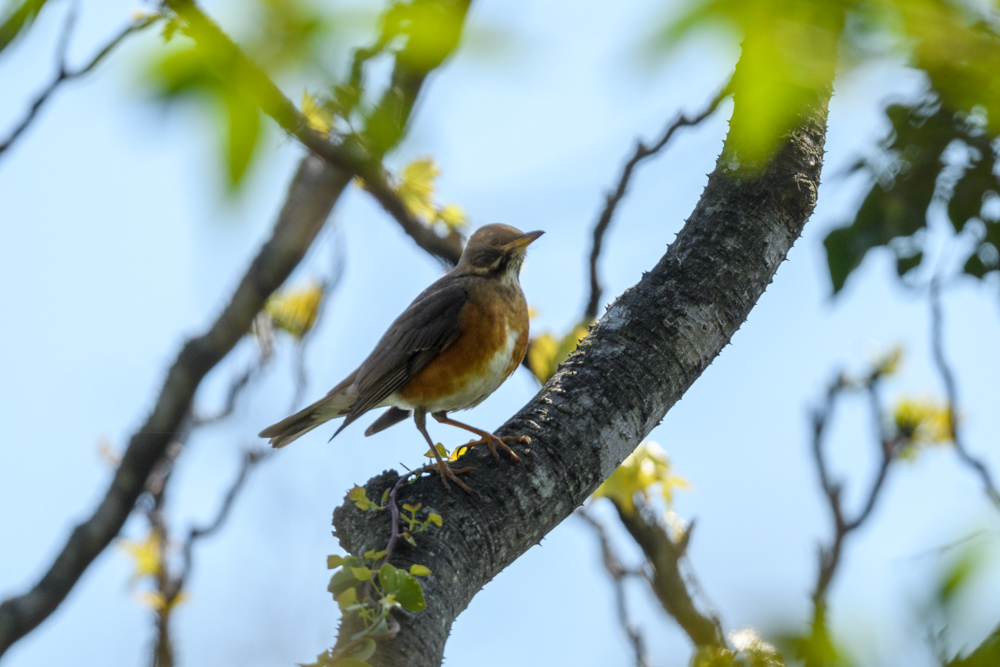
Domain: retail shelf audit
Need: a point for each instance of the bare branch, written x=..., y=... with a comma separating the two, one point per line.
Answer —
x=239, y=383
x=830, y=555
x=251, y=458
x=329, y=284
x=67, y=74
x=642, y=151
x=618, y=574
x=668, y=583
x=951, y=389
x=446, y=248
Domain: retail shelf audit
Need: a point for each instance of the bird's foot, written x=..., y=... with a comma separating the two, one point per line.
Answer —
x=449, y=473
x=493, y=441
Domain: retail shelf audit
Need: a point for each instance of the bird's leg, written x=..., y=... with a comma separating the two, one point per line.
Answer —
x=419, y=416
x=486, y=437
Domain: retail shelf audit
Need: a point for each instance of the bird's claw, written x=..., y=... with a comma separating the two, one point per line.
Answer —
x=493, y=441
x=447, y=473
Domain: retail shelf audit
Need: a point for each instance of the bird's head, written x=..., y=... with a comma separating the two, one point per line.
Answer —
x=495, y=250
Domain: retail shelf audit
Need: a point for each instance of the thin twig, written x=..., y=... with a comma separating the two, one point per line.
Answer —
x=618, y=574
x=951, y=389
x=446, y=248
x=668, y=583
x=235, y=389
x=394, y=508
x=251, y=458
x=65, y=74
x=328, y=286
x=642, y=151
x=830, y=555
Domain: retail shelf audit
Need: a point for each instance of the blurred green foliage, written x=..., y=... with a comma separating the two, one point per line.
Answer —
x=789, y=53
x=189, y=69
x=418, y=34
x=16, y=18
x=941, y=150
x=933, y=156
x=942, y=147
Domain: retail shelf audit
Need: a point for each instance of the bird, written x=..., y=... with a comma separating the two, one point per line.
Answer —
x=458, y=341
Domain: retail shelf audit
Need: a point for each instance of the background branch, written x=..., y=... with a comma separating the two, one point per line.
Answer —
x=618, y=573
x=830, y=555
x=642, y=151
x=667, y=581
x=67, y=74
x=951, y=389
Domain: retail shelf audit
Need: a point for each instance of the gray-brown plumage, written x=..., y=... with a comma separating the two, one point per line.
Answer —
x=450, y=349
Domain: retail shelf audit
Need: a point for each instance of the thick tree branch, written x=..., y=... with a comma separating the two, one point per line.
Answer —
x=642, y=151
x=639, y=359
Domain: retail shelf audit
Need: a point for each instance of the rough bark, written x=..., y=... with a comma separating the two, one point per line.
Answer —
x=653, y=342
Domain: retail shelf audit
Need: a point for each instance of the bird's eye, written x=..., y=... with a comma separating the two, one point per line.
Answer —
x=493, y=240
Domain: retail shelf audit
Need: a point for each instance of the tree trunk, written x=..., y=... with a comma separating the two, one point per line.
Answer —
x=639, y=359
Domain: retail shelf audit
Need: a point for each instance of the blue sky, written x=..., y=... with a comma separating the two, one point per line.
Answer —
x=117, y=242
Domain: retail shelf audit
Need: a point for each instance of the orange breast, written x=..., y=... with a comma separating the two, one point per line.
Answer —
x=491, y=344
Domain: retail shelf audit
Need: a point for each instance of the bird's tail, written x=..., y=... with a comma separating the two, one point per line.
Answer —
x=335, y=404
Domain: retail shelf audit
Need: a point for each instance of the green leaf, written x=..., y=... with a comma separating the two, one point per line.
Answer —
x=346, y=98
x=15, y=21
x=360, y=498
x=432, y=30
x=243, y=125
x=318, y=116
x=434, y=518
x=441, y=450
x=419, y=570
x=967, y=196
x=348, y=598
x=974, y=266
x=385, y=497
x=334, y=561
x=361, y=573
x=901, y=192
x=404, y=586
x=412, y=508
x=341, y=581
x=959, y=575
x=364, y=650
x=906, y=264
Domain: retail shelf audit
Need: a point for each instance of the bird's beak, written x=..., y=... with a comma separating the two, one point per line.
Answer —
x=522, y=241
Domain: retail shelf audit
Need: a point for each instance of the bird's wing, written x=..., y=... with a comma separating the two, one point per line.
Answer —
x=421, y=333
